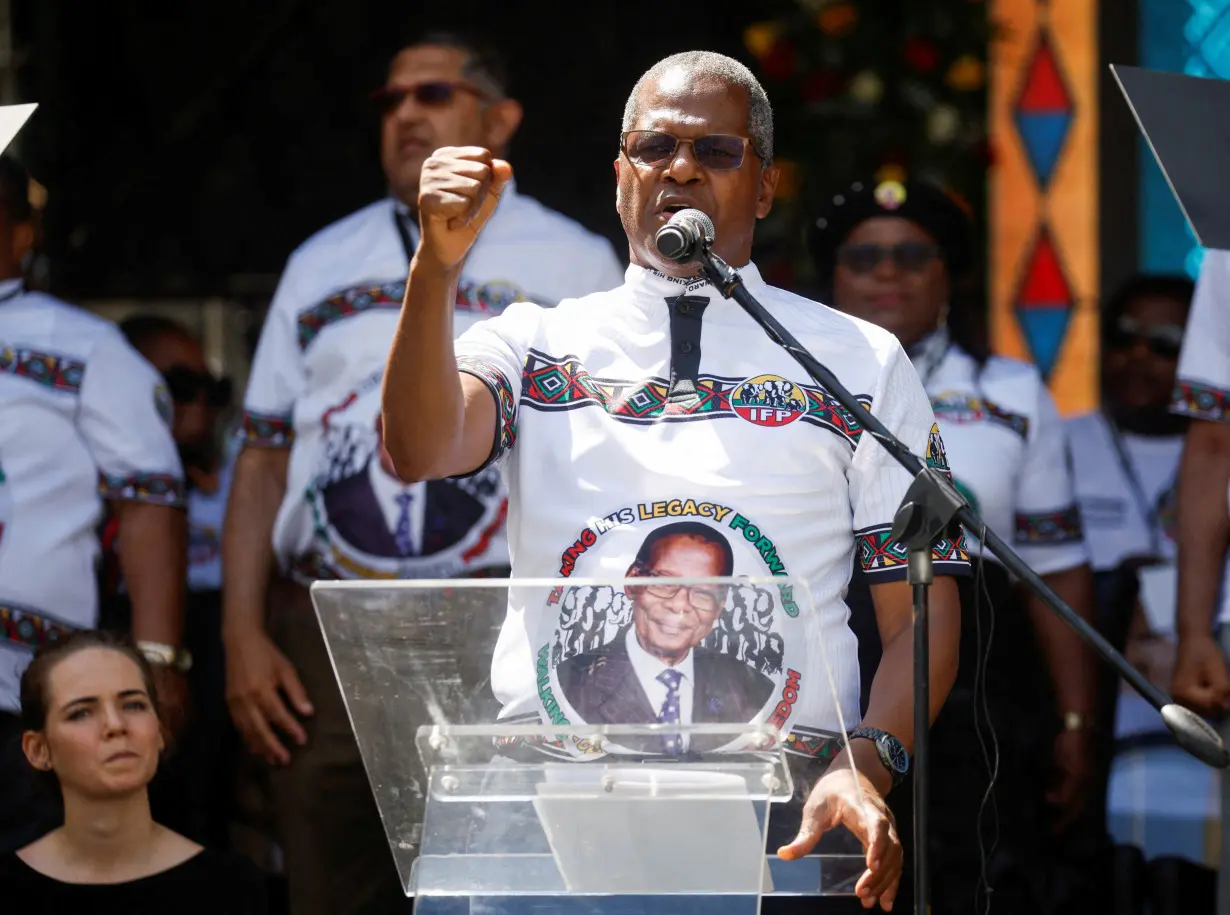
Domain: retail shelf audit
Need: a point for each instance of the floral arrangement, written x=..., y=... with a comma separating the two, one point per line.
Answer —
x=870, y=88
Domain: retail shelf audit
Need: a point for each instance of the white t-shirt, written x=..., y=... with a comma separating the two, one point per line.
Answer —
x=315, y=387
x=1007, y=450
x=1126, y=485
x=1129, y=512
x=1203, y=386
x=85, y=418
x=659, y=411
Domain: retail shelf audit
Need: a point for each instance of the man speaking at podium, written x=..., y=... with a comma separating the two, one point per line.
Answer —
x=626, y=411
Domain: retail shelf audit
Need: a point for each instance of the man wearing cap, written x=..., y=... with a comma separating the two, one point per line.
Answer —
x=1201, y=675
x=626, y=411
x=310, y=493
x=894, y=252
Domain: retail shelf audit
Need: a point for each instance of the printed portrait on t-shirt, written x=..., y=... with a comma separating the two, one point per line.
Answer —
x=370, y=524
x=657, y=667
x=644, y=651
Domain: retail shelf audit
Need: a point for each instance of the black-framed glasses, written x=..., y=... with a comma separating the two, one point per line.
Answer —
x=652, y=148
x=708, y=599
x=908, y=256
x=436, y=93
x=1162, y=340
x=190, y=386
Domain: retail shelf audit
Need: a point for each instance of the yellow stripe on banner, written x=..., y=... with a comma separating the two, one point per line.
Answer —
x=1068, y=205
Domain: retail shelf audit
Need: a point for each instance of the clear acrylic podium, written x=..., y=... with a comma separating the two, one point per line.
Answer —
x=485, y=799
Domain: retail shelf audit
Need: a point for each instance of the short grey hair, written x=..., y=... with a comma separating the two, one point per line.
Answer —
x=729, y=71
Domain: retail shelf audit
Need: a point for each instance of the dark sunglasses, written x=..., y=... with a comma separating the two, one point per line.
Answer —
x=190, y=386
x=909, y=256
x=432, y=94
x=1162, y=340
x=652, y=148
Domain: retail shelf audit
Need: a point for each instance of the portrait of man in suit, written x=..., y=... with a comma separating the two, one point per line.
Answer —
x=655, y=670
x=378, y=514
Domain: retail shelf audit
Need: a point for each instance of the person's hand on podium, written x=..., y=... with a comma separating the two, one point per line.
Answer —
x=458, y=191
x=844, y=797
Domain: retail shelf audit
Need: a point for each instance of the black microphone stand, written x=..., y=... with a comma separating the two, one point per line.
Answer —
x=928, y=514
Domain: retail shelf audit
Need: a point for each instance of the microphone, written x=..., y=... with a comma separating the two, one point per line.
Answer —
x=683, y=238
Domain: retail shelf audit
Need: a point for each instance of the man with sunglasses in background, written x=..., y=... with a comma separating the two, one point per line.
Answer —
x=303, y=501
x=83, y=426
x=628, y=411
x=1202, y=675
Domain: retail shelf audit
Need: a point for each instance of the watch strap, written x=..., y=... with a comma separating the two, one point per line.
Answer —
x=884, y=742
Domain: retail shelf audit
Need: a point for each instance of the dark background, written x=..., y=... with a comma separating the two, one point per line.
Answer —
x=188, y=148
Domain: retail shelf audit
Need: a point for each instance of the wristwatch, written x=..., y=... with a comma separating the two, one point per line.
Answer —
x=162, y=655
x=892, y=754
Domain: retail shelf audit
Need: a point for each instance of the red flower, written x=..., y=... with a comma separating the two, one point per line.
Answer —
x=922, y=55
x=820, y=84
x=778, y=64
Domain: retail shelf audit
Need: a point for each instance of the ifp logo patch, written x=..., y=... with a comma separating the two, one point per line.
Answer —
x=768, y=400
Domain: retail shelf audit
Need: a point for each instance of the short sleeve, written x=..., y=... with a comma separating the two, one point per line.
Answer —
x=878, y=484
x=277, y=378
x=124, y=418
x=1046, y=521
x=1202, y=389
x=494, y=352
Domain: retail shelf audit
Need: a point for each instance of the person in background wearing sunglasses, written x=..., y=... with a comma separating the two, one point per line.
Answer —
x=1125, y=459
x=679, y=408
x=895, y=253
x=194, y=790
x=309, y=422
x=83, y=428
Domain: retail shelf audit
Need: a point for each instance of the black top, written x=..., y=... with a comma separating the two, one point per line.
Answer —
x=206, y=884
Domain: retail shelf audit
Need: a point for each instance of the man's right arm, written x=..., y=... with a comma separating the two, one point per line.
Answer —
x=437, y=422
x=258, y=487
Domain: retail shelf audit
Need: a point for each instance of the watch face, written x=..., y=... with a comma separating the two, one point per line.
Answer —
x=896, y=757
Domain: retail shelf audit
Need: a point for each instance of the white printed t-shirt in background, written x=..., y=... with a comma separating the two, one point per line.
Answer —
x=1008, y=452
x=315, y=388
x=1203, y=387
x=85, y=418
x=660, y=407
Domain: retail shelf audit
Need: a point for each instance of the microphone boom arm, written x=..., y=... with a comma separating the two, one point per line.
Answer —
x=1189, y=729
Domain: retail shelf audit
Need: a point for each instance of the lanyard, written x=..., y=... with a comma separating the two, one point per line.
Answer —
x=401, y=221
x=1148, y=509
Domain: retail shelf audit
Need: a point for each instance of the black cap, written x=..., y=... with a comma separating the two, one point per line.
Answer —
x=1186, y=120
x=921, y=202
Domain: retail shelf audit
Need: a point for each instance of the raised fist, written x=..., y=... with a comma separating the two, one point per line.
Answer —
x=458, y=191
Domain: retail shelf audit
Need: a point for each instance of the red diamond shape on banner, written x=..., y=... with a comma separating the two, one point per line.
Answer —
x=1044, y=110
x=1044, y=302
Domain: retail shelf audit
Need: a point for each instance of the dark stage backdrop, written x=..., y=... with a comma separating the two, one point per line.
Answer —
x=188, y=148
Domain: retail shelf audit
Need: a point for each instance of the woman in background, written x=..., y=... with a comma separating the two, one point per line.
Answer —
x=893, y=253
x=90, y=713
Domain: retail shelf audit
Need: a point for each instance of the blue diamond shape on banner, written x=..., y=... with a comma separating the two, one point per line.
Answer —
x=1045, y=327
x=1042, y=136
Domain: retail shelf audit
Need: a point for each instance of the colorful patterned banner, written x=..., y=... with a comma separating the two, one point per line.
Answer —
x=1044, y=193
